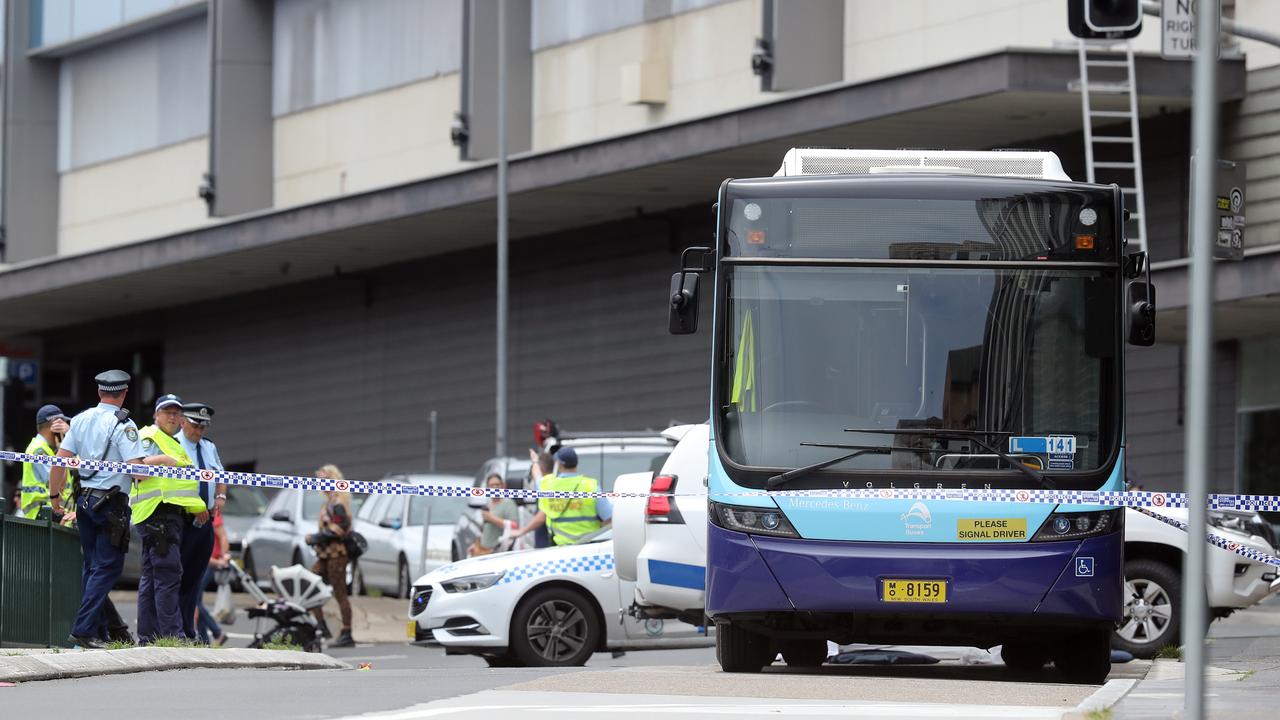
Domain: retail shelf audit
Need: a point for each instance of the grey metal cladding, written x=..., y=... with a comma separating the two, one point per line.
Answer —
x=346, y=369
x=1154, y=432
x=1251, y=133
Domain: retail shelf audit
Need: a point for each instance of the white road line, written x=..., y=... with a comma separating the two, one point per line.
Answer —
x=547, y=704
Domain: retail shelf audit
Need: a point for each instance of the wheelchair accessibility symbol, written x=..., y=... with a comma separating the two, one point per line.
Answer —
x=1084, y=567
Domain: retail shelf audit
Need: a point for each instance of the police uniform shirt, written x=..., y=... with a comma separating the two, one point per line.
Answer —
x=88, y=437
x=208, y=453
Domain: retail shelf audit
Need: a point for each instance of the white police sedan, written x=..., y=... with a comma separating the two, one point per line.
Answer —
x=549, y=607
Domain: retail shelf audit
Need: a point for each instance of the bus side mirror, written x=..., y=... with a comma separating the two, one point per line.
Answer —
x=1140, y=313
x=684, y=304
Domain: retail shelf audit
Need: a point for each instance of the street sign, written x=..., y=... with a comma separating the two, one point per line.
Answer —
x=24, y=371
x=1228, y=209
x=1229, y=201
x=1178, y=30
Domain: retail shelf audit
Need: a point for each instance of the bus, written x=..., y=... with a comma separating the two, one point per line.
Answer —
x=915, y=320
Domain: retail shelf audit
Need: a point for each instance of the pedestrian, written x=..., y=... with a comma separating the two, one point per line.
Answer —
x=501, y=514
x=331, y=553
x=51, y=425
x=103, y=432
x=198, y=542
x=207, y=627
x=165, y=511
x=569, y=519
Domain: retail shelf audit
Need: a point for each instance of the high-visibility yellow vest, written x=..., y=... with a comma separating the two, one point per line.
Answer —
x=569, y=519
x=35, y=492
x=147, y=495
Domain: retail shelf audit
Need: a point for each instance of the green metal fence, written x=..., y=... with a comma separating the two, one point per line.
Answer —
x=39, y=582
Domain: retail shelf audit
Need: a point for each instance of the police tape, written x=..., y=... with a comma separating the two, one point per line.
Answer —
x=1217, y=540
x=1138, y=500
x=1110, y=498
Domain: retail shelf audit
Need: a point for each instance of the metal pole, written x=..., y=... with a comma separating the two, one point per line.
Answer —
x=434, y=420
x=500, y=444
x=1204, y=147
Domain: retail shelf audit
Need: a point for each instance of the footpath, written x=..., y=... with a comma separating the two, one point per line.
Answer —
x=53, y=664
x=1243, y=677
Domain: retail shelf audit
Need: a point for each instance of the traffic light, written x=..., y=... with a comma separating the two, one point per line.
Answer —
x=1104, y=18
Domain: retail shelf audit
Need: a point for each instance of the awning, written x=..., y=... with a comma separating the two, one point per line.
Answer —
x=990, y=101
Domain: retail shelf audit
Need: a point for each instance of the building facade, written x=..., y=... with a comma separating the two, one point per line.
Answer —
x=265, y=206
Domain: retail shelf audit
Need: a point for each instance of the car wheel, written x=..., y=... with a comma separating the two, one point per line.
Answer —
x=804, y=653
x=554, y=627
x=1152, y=608
x=740, y=650
x=1024, y=657
x=1085, y=657
x=402, y=579
x=297, y=557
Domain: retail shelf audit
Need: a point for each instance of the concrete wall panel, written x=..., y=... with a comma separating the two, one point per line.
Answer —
x=142, y=196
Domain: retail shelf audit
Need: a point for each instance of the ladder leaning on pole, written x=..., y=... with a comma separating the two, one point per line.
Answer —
x=1107, y=60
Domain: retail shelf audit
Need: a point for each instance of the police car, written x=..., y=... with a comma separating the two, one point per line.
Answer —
x=548, y=607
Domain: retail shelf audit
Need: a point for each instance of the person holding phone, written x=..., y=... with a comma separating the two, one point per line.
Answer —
x=51, y=425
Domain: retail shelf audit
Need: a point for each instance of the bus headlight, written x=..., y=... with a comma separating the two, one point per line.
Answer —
x=1076, y=525
x=757, y=521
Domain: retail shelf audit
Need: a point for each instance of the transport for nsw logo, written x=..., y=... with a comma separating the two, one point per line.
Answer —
x=917, y=519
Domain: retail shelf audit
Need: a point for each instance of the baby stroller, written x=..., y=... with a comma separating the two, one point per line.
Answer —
x=299, y=591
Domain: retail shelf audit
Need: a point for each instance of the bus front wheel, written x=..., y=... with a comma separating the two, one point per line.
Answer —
x=739, y=650
x=1084, y=657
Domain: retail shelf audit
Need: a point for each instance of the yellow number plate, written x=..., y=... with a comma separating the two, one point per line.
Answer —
x=413, y=629
x=921, y=591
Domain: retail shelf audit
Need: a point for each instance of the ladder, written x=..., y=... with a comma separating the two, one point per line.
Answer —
x=1113, y=80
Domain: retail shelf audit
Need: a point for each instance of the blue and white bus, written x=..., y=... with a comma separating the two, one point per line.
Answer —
x=913, y=319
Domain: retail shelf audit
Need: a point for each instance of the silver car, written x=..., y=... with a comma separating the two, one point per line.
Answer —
x=393, y=525
x=279, y=536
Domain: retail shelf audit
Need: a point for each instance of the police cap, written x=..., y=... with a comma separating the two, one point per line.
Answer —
x=112, y=381
x=167, y=400
x=568, y=457
x=198, y=413
x=47, y=413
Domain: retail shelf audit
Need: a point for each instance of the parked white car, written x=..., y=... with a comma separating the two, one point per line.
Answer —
x=549, y=607
x=1153, y=554
x=393, y=526
x=669, y=551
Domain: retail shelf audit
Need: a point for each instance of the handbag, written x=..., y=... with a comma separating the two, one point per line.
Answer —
x=356, y=544
x=223, y=611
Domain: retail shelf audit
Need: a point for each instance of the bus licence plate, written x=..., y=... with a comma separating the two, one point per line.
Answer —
x=922, y=591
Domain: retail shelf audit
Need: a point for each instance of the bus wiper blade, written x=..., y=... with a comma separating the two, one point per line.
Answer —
x=788, y=476
x=972, y=435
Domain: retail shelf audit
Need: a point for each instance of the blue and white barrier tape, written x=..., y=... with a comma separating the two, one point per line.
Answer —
x=1133, y=499
x=1140, y=501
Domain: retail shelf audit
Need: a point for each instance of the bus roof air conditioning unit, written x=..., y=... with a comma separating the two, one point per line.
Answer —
x=1000, y=163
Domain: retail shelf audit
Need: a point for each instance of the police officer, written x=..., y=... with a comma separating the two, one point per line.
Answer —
x=104, y=432
x=569, y=519
x=164, y=511
x=51, y=425
x=197, y=542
